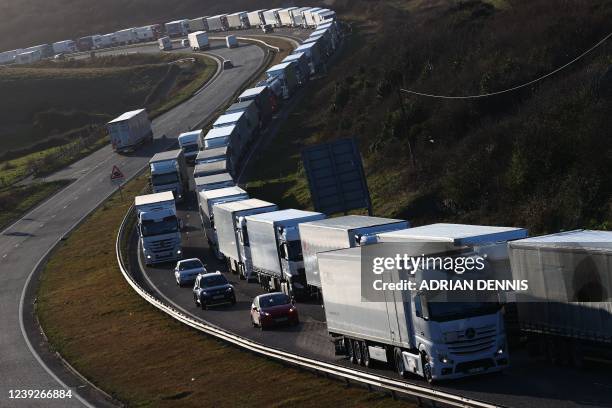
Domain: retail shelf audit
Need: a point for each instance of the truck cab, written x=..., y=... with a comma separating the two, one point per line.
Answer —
x=158, y=228
x=168, y=173
x=189, y=144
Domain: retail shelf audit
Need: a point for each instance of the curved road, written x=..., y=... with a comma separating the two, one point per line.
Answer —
x=25, y=244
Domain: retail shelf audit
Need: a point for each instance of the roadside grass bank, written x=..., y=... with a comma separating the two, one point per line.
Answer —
x=142, y=357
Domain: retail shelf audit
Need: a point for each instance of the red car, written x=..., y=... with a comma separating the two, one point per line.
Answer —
x=273, y=309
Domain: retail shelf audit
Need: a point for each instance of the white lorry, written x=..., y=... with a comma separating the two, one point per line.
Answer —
x=231, y=41
x=130, y=130
x=189, y=142
x=214, y=182
x=198, y=41
x=233, y=235
x=165, y=43
x=276, y=250
x=169, y=173
x=158, y=228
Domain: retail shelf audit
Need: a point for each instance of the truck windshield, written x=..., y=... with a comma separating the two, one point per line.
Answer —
x=166, y=226
x=161, y=179
x=452, y=305
x=292, y=251
x=190, y=148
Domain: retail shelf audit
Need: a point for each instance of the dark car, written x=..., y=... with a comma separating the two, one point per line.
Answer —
x=273, y=309
x=212, y=289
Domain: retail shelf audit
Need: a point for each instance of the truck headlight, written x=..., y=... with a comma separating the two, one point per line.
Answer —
x=178, y=252
x=444, y=359
x=229, y=290
x=148, y=256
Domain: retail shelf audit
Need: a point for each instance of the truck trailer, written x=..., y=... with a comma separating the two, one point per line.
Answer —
x=338, y=233
x=286, y=16
x=169, y=173
x=566, y=314
x=238, y=21
x=297, y=15
x=130, y=130
x=28, y=57
x=312, y=51
x=250, y=109
x=226, y=136
x=165, y=43
x=214, y=182
x=265, y=101
x=198, y=40
x=233, y=235
x=256, y=18
x=271, y=17
x=247, y=128
x=231, y=41
x=212, y=155
x=189, y=142
x=217, y=23
x=414, y=331
x=286, y=74
x=211, y=168
x=276, y=250
x=158, y=228
x=198, y=24
x=64, y=47
x=302, y=69
x=177, y=28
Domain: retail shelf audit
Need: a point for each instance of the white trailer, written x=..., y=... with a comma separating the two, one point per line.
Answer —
x=302, y=69
x=232, y=232
x=127, y=36
x=177, y=28
x=198, y=24
x=286, y=72
x=130, y=130
x=212, y=155
x=145, y=33
x=246, y=127
x=8, y=57
x=337, y=233
x=323, y=16
x=276, y=250
x=238, y=21
x=217, y=23
x=307, y=18
x=189, y=142
x=286, y=16
x=565, y=315
x=28, y=57
x=313, y=54
x=231, y=41
x=225, y=136
x=256, y=18
x=158, y=228
x=297, y=16
x=213, y=182
x=64, y=47
x=165, y=43
x=107, y=40
x=210, y=168
x=198, y=41
x=271, y=17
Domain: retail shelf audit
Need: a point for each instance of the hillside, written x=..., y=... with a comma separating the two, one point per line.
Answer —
x=539, y=158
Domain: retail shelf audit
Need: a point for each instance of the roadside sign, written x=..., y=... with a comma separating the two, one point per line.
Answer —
x=116, y=174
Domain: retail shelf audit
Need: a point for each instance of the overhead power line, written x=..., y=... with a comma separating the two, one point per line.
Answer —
x=514, y=88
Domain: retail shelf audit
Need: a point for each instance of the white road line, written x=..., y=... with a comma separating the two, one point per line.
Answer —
x=4, y=256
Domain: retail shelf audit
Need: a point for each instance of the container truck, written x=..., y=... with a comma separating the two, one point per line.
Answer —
x=46, y=50
x=276, y=250
x=238, y=21
x=85, y=43
x=130, y=130
x=28, y=57
x=328, y=39
x=297, y=16
x=308, y=20
x=323, y=16
x=127, y=36
x=158, y=228
x=247, y=127
x=64, y=47
x=231, y=41
x=208, y=169
x=169, y=173
x=177, y=28
x=302, y=69
x=165, y=44
x=225, y=136
x=566, y=314
x=145, y=33
x=107, y=40
x=250, y=110
x=8, y=57
x=256, y=18
x=198, y=41
x=286, y=16
x=414, y=331
x=338, y=233
x=265, y=101
x=189, y=142
x=207, y=200
x=313, y=55
x=198, y=24
x=217, y=23
x=214, y=182
x=271, y=17
x=286, y=74
x=233, y=235
x=212, y=155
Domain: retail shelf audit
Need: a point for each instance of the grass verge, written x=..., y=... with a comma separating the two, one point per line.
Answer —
x=143, y=357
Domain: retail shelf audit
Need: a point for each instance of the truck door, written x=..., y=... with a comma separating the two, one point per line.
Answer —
x=392, y=312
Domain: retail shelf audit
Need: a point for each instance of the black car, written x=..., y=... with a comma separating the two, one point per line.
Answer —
x=212, y=289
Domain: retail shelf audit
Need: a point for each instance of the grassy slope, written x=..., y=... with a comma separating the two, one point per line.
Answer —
x=144, y=357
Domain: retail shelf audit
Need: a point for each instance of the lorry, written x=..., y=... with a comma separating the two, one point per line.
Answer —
x=144, y=33
x=165, y=44
x=126, y=36
x=64, y=47
x=249, y=108
x=247, y=127
x=206, y=201
x=198, y=24
x=276, y=250
x=208, y=169
x=189, y=142
x=233, y=235
x=286, y=16
x=256, y=18
x=46, y=50
x=130, y=130
x=238, y=21
x=212, y=155
x=297, y=15
x=323, y=16
x=213, y=182
x=85, y=43
x=231, y=41
x=226, y=136
x=414, y=331
x=158, y=228
x=265, y=101
x=312, y=51
x=198, y=40
x=302, y=69
x=177, y=28
x=307, y=19
x=286, y=74
x=28, y=57
x=338, y=233
x=565, y=316
x=169, y=173
x=271, y=17
x=217, y=23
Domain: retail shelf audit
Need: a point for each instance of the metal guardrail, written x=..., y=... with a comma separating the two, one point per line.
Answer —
x=329, y=369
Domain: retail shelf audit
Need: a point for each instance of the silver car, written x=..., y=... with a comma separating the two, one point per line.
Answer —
x=187, y=270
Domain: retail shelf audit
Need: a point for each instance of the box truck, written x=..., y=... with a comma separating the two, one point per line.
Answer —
x=212, y=155
x=415, y=331
x=302, y=69
x=85, y=43
x=165, y=44
x=158, y=228
x=256, y=18
x=297, y=16
x=286, y=16
x=250, y=109
x=338, y=233
x=233, y=235
x=130, y=130
x=231, y=41
x=286, y=74
x=64, y=47
x=207, y=200
x=169, y=173
x=217, y=23
x=177, y=28
x=208, y=169
x=276, y=250
x=265, y=101
x=238, y=21
x=214, y=182
x=313, y=55
x=227, y=136
x=566, y=314
x=28, y=57
x=271, y=17
x=247, y=127
x=198, y=24
x=189, y=142
x=198, y=41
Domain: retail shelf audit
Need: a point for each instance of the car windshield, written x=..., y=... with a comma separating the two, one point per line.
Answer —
x=275, y=299
x=194, y=264
x=214, y=280
x=166, y=226
x=161, y=179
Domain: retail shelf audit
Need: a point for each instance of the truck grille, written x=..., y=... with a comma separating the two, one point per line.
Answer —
x=472, y=340
x=162, y=245
x=474, y=366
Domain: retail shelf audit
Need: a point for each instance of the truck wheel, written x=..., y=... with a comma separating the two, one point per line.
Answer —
x=203, y=303
x=427, y=373
x=399, y=362
x=357, y=352
x=367, y=362
x=348, y=345
x=195, y=300
x=576, y=356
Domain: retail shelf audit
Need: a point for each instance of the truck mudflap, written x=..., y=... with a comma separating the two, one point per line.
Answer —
x=413, y=363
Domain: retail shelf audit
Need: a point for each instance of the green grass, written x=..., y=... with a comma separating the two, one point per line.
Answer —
x=19, y=200
x=143, y=357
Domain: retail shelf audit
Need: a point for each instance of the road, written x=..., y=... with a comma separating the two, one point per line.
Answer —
x=525, y=384
x=25, y=244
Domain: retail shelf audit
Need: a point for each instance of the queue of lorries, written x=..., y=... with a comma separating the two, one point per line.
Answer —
x=295, y=255
x=306, y=17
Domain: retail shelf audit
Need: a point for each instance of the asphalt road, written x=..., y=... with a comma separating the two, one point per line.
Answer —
x=24, y=244
x=526, y=383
